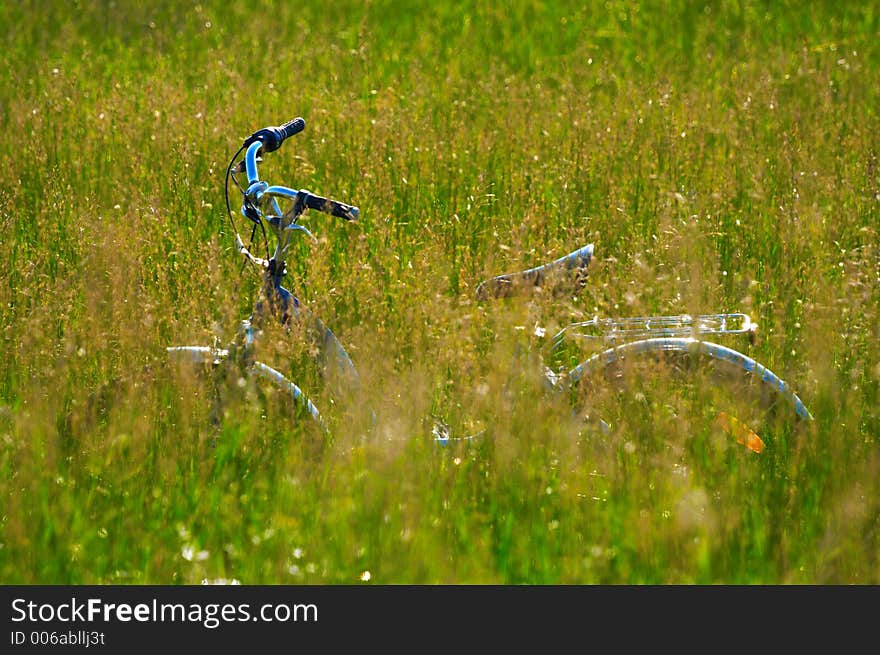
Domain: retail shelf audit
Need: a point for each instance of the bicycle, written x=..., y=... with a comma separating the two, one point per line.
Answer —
x=262, y=205
x=745, y=397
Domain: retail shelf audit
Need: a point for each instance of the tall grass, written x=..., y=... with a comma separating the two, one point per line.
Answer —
x=721, y=155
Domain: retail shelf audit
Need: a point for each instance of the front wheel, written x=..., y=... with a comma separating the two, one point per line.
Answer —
x=684, y=392
x=219, y=365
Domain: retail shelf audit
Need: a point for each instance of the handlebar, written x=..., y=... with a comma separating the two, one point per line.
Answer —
x=259, y=197
x=270, y=139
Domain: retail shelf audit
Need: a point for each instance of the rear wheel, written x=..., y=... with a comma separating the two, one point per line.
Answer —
x=687, y=395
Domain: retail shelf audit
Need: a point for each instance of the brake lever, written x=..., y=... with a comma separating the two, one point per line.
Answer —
x=241, y=166
x=301, y=228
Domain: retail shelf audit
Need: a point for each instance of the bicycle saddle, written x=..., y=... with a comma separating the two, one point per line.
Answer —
x=573, y=264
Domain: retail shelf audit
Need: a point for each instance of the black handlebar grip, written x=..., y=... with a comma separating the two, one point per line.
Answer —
x=290, y=128
x=332, y=207
x=273, y=137
x=340, y=209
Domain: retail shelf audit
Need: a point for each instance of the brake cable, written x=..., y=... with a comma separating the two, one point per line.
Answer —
x=229, y=212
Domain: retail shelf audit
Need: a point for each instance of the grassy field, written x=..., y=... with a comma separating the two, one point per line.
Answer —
x=721, y=155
